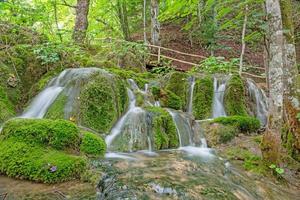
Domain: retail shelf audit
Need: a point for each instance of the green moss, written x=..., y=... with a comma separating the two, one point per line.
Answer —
x=155, y=92
x=178, y=84
x=244, y=124
x=234, y=99
x=36, y=163
x=102, y=102
x=164, y=129
x=56, y=110
x=140, y=99
x=218, y=133
x=92, y=144
x=203, y=98
x=170, y=100
x=59, y=134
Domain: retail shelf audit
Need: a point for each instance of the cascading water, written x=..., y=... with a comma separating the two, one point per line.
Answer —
x=191, y=95
x=41, y=103
x=218, y=99
x=259, y=97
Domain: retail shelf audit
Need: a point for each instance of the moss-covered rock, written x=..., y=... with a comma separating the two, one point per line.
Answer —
x=219, y=134
x=203, y=98
x=6, y=107
x=33, y=162
x=243, y=123
x=170, y=100
x=177, y=83
x=58, y=134
x=56, y=110
x=164, y=129
x=102, y=102
x=92, y=145
x=234, y=99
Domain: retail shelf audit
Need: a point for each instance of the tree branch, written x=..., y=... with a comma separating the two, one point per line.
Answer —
x=64, y=3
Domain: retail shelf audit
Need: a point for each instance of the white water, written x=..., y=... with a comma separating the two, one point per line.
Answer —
x=157, y=104
x=41, y=103
x=260, y=99
x=191, y=91
x=116, y=130
x=218, y=99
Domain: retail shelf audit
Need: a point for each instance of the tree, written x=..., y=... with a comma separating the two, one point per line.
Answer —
x=271, y=144
x=123, y=18
x=155, y=25
x=81, y=21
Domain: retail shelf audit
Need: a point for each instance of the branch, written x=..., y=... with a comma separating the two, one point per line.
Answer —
x=64, y=3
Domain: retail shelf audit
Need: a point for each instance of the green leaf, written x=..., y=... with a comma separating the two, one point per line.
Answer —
x=272, y=166
x=279, y=170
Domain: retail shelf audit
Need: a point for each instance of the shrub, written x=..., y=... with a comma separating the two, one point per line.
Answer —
x=234, y=99
x=36, y=163
x=245, y=124
x=203, y=98
x=92, y=144
x=59, y=134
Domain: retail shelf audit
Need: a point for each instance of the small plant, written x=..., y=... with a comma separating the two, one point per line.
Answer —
x=217, y=65
x=277, y=171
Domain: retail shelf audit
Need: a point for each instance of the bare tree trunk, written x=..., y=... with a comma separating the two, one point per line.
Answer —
x=155, y=25
x=271, y=144
x=56, y=21
x=81, y=21
x=291, y=101
x=144, y=15
x=243, y=40
x=123, y=18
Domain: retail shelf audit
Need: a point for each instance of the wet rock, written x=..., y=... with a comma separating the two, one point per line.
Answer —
x=162, y=190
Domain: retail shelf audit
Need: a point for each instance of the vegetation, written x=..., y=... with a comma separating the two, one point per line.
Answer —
x=244, y=124
x=165, y=134
x=219, y=134
x=203, y=98
x=92, y=144
x=234, y=98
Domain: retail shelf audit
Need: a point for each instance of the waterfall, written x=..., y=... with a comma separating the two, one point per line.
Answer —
x=183, y=128
x=191, y=94
x=218, y=99
x=41, y=103
x=259, y=97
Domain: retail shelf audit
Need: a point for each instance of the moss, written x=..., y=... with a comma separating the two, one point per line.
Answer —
x=178, y=84
x=56, y=110
x=234, y=99
x=6, y=107
x=251, y=161
x=170, y=100
x=155, y=92
x=244, y=124
x=92, y=145
x=58, y=134
x=140, y=99
x=203, y=98
x=36, y=163
x=164, y=129
x=102, y=101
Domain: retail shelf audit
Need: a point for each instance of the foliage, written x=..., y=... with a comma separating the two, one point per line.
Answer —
x=103, y=101
x=162, y=70
x=214, y=65
x=165, y=134
x=33, y=162
x=58, y=134
x=276, y=170
x=203, y=98
x=92, y=144
x=234, y=99
x=243, y=123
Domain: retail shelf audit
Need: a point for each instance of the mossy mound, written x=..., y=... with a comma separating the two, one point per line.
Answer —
x=58, y=134
x=243, y=123
x=203, y=98
x=6, y=107
x=33, y=162
x=164, y=129
x=92, y=144
x=102, y=101
x=170, y=100
x=57, y=109
x=219, y=134
x=234, y=99
x=177, y=83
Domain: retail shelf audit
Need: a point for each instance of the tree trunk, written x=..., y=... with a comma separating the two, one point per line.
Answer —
x=155, y=25
x=243, y=40
x=291, y=101
x=81, y=21
x=271, y=144
x=144, y=20
x=123, y=18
